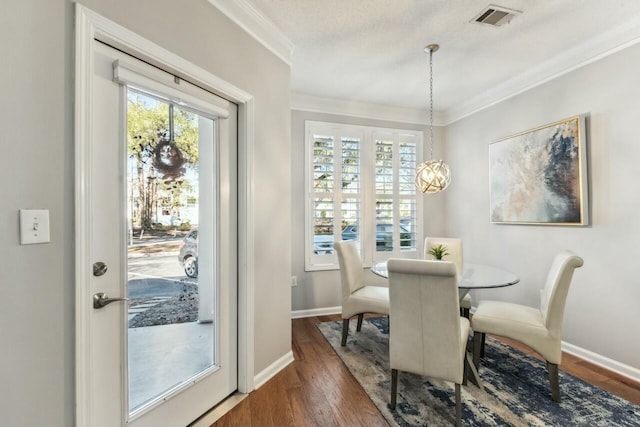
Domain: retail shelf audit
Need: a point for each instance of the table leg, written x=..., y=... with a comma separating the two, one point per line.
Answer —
x=474, y=375
x=472, y=371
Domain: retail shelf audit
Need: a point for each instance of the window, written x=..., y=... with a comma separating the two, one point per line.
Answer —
x=360, y=187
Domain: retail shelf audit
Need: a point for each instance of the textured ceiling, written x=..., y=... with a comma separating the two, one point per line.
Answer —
x=372, y=50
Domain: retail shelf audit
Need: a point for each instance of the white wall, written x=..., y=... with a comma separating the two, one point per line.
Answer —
x=36, y=115
x=36, y=282
x=321, y=289
x=602, y=307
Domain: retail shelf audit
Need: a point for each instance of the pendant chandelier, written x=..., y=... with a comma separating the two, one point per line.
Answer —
x=432, y=176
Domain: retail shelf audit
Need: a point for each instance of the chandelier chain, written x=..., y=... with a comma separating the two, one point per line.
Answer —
x=431, y=103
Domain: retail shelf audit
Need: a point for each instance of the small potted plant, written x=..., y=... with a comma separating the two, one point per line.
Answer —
x=438, y=252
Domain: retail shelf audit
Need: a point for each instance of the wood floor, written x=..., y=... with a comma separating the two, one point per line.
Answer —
x=318, y=390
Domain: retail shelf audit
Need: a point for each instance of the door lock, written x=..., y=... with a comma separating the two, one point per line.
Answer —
x=99, y=268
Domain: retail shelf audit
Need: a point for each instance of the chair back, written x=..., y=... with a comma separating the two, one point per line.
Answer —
x=556, y=288
x=424, y=336
x=351, y=270
x=454, y=247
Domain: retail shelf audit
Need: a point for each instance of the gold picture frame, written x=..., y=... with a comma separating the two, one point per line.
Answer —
x=540, y=176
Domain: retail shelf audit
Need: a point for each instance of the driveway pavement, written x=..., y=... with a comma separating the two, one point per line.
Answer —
x=161, y=247
x=156, y=275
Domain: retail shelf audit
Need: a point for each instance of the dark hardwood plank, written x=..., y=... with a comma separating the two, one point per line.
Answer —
x=341, y=390
x=300, y=407
x=605, y=372
x=281, y=412
x=261, y=405
x=289, y=377
x=240, y=415
x=315, y=381
x=622, y=389
x=317, y=389
x=577, y=370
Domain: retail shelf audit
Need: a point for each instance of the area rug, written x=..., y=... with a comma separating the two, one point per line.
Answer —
x=516, y=388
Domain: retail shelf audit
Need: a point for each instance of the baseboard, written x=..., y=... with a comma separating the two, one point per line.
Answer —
x=299, y=314
x=602, y=361
x=271, y=370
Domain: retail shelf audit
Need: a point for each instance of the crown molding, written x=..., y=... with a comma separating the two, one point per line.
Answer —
x=365, y=110
x=606, y=44
x=257, y=25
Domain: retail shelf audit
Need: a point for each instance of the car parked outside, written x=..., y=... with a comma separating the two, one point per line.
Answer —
x=384, y=238
x=188, y=255
x=322, y=244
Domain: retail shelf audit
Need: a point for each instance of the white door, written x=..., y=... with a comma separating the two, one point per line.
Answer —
x=163, y=229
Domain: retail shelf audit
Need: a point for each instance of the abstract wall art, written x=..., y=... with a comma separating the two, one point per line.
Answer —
x=540, y=176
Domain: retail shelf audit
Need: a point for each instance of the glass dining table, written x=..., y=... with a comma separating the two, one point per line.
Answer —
x=474, y=276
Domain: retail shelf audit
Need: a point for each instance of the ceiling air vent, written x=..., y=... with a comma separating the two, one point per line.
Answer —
x=496, y=16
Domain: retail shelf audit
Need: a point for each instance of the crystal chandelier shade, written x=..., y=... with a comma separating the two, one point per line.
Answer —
x=432, y=176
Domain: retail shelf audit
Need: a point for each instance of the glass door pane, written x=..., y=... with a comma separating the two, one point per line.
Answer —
x=171, y=269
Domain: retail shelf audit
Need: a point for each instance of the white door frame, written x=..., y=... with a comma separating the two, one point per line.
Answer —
x=90, y=26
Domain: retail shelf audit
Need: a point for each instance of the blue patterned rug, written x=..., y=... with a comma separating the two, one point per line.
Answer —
x=516, y=388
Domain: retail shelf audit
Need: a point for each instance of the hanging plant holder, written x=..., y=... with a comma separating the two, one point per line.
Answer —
x=168, y=159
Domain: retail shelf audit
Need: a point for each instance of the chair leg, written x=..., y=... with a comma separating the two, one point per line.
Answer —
x=553, y=379
x=465, y=370
x=360, y=317
x=458, y=406
x=345, y=331
x=484, y=338
x=394, y=387
x=478, y=339
x=464, y=312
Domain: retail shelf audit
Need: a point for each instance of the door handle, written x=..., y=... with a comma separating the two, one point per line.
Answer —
x=101, y=300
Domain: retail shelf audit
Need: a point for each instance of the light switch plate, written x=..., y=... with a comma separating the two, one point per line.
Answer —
x=34, y=226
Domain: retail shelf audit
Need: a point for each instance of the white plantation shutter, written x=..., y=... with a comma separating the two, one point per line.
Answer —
x=360, y=187
x=322, y=200
x=407, y=194
x=350, y=167
x=384, y=190
x=395, y=193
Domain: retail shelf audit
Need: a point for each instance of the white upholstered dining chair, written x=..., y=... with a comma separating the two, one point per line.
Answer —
x=454, y=247
x=357, y=297
x=427, y=335
x=537, y=327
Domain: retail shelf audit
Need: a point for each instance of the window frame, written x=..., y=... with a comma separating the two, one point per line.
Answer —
x=367, y=216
